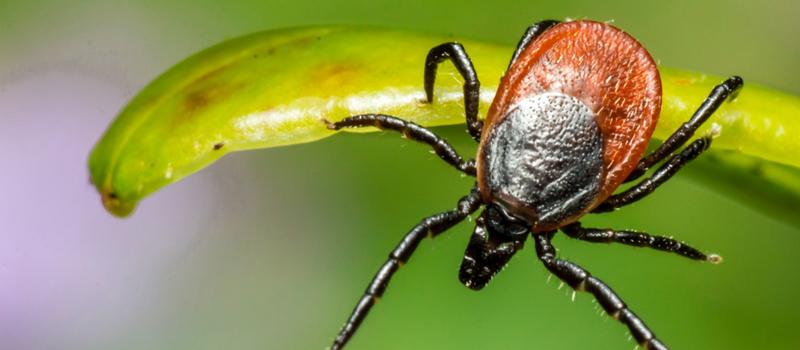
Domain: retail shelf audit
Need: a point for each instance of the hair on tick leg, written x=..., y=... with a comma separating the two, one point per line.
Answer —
x=714, y=131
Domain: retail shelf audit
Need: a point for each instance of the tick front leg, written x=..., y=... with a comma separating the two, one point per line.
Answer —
x=530, y=35
x=428, y=227
x=411, y=130
x=719, y=94
x=581, y=280
x=637, y=239
x=456, y=53
x=664, y=173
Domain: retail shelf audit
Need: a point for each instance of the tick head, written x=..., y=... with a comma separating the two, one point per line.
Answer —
x=503, y=225
x=496, y=239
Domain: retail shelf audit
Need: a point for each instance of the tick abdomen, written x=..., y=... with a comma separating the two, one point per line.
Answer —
x=543, y=160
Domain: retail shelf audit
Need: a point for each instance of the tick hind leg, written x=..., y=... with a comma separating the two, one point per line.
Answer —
x=428, y=227
x=581, y=280
x=719, y=94
x=456, y=53
x=411, y=130
x=637, y=239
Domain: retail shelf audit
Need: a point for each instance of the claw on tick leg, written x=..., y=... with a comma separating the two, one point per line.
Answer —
x=329, y=124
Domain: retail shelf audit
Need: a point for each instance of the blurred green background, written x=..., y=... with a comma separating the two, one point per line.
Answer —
x=271, y=249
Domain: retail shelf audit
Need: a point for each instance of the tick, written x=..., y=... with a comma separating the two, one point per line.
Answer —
x=569, y=124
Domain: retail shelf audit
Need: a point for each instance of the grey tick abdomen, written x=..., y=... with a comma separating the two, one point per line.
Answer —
x=544, y=159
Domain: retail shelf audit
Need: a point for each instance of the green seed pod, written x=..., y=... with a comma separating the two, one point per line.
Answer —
x=273, y=88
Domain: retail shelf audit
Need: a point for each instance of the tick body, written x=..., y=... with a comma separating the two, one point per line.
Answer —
x=572, y=117
x=569, y=124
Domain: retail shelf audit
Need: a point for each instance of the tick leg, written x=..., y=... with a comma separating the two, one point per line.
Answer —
x=530, y=35
x=718, y=95
x=661, y=175
x=581, y=280
x=410, y=130
x=455, y=52
x=637, y=239
x=428, y=227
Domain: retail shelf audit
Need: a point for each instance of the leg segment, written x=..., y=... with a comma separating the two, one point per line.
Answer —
x=456, y=53
x=530, y=35
x=411, y=130
x=428, y=227
x=664, y=173
x=581, y=280
x=637, y=239
x=718, y=95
